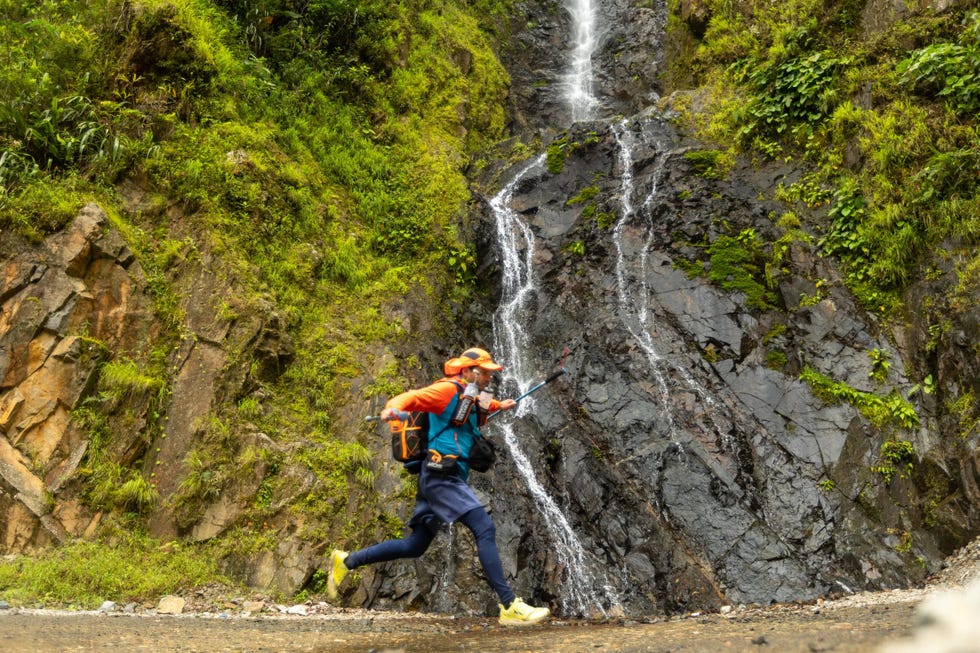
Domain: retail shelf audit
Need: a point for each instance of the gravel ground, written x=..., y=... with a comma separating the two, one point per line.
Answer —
x=900, y=621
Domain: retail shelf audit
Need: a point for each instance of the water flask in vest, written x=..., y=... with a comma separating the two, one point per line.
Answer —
x=465, y=404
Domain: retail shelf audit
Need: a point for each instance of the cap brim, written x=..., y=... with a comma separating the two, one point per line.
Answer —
x=493, y=367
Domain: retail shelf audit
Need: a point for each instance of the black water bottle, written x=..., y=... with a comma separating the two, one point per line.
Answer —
x=465, y=404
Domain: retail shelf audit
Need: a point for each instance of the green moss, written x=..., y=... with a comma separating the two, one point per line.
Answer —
x=605, y=219
x=585, y=195
x=710, y=164
x=576, y=248
x=966, y=411
x=776, y=331
x=736, y=264
x=555, y=156
x=776, y=360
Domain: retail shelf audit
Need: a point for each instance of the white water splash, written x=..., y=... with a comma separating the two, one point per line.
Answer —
x=581, y=99
x=581, y=592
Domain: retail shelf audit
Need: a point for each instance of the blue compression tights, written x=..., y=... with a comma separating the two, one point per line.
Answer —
x=413, y=546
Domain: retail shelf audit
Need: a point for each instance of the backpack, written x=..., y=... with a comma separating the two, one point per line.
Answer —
x=410, y=438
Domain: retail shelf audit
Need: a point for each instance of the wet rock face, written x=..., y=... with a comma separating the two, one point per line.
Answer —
x=698, y=469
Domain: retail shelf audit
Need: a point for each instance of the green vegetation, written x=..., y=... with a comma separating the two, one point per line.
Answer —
x=123, y=567
x=710, y=164
x=776, y=360
x=563, y=147
x=890, y=131
x=896, y=456
x=127, y=392
x=587, y=194
x=310, y=157
x=885, y=120
x=555, y=157
x=605, y=219
x=879, y=409
x=879, y=365
x=737, y=263
x=747, y=263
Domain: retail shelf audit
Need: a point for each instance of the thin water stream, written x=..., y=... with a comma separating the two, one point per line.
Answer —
x=583, y=591
x=632, y=289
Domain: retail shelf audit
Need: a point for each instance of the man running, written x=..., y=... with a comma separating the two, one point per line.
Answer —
x=443, y=495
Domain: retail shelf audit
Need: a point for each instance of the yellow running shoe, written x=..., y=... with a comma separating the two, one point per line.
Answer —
x=521, y=614
x=335, y=576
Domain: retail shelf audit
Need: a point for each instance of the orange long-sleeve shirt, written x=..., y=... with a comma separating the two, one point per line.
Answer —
x=432, y=398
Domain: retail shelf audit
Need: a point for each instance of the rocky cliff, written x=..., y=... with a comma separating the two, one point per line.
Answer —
x=694, y=463
x=62, y=304
x=79, y=443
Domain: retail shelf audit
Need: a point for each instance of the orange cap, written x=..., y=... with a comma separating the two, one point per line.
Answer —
x=474, y=357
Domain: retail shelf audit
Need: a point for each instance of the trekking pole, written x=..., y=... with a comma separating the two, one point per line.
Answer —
x=399, y=414
x=554, y=375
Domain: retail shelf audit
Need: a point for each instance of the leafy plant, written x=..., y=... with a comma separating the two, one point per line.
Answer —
x=896, y=455
x=880, y=365
x=949, y=70
x=845, y=239
x=462, y=262
x=879, y=409
x=792, y=90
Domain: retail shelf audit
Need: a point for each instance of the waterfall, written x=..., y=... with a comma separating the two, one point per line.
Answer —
x=518, y=282
x=635, y=306
x=632, y=291
x=581, y=99
x=581, y=592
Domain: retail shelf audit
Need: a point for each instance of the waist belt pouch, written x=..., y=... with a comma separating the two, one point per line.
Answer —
x=444, y=465
x=483, y=455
